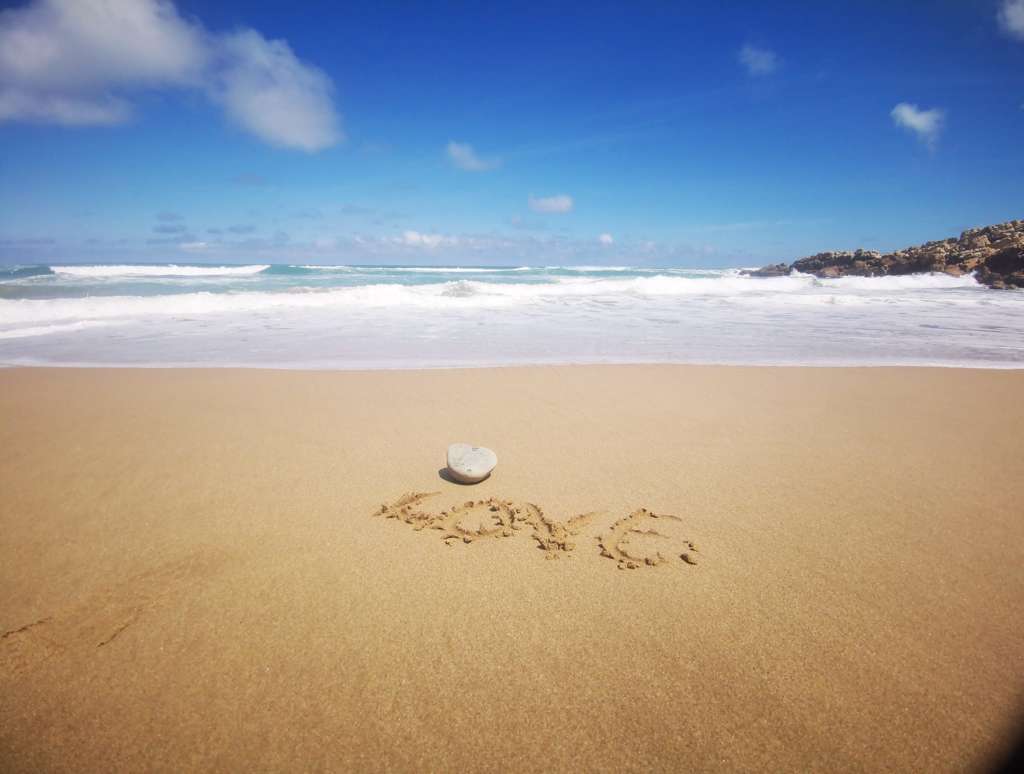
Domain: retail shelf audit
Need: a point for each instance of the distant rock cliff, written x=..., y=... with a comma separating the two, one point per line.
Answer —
x=994, y=253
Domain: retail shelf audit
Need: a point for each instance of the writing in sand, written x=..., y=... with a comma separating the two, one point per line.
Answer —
x=641, y=539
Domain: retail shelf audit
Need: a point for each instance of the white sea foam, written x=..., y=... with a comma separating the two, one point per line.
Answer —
x=595, y=268
x=447, y=269
x=798, y=290
x=169, y=270
x=417, y=269
x=436, y=296
x=45, y=330
x=900, y=282
x=444, y=316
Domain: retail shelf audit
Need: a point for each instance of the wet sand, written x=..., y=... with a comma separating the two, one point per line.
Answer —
x=215, y=569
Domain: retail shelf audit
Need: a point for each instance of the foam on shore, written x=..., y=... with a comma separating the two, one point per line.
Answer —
x=352, y=316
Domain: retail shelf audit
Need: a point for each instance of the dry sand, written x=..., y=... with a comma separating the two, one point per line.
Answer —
x=192, y=574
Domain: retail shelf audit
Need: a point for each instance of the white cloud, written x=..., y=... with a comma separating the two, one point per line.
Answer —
x=269, y=92
x=67, y=44
x=926, y=124
x=59, y=59
x=76, y=62
x=551, y=204
x=606, y=239
x=18, y=105
x=462, y=155
x=418, y=239
x=758, y=61
x=409, y=248
x=1011, y=17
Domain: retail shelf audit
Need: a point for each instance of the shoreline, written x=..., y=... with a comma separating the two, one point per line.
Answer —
x=307, y=368
x=196, y=572
x=393, y=318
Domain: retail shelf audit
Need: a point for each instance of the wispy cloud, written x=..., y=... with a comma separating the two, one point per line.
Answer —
x=561, y=203
x=169, y=217
x=418, y=239
x=406, y=247
x=462, y=155
x=926, y=124
x=490, y=248
x=16, y=105
x=174, y=239
x=27, y=242
x=277, y=240
x=77, y=63
x=169, y=228
x=606, y=239
x=1011, y=17
x=270, y=93
x=758, y=61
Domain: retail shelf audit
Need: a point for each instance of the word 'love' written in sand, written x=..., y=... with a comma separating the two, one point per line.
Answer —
x=632, y=542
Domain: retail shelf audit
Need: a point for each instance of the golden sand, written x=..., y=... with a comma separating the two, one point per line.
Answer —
x=685, y=568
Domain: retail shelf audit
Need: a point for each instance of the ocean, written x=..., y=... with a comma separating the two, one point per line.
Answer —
x=368, y=317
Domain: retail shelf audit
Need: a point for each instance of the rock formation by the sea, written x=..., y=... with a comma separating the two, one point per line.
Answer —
x=994, y=253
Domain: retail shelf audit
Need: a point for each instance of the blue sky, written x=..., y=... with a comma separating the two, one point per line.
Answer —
x=695, y=134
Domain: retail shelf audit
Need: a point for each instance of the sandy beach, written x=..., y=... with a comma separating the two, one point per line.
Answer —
x=196, y=572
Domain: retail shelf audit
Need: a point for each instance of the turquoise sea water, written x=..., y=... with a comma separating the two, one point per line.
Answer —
x=391, y=317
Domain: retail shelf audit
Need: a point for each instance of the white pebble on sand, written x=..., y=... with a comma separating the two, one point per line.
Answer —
x=470, y=464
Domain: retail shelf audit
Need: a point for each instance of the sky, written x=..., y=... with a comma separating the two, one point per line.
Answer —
x=686, y=134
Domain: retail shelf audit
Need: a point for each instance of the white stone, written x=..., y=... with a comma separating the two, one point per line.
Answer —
x=470, y=464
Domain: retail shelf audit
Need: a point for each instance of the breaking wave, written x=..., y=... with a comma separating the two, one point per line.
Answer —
x=390, y=316
x=168, y=270
x=801, y=289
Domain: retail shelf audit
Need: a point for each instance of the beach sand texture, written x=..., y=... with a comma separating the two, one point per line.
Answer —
x=672, y=568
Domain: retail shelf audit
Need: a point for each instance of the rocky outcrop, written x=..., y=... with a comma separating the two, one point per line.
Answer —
x=994, y=253
x=1004, y=269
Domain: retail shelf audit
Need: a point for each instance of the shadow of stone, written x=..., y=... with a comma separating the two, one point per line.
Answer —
x=446, y=475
